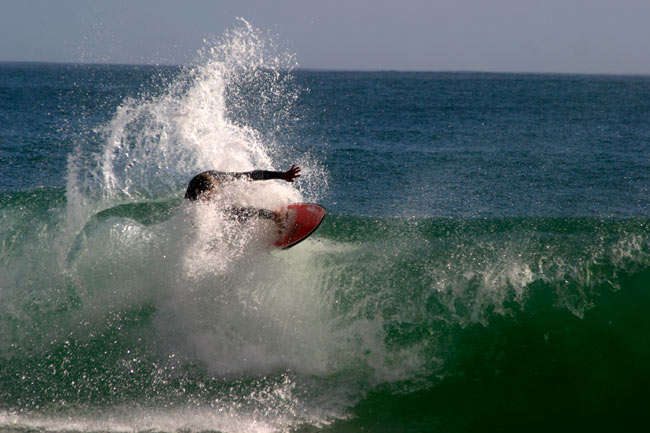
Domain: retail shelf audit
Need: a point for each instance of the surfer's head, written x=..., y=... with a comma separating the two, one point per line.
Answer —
x=201, y=186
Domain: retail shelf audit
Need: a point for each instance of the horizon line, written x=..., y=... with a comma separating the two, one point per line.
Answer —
x=329, y=69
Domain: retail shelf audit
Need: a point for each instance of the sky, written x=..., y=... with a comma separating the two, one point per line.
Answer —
x=565, y=36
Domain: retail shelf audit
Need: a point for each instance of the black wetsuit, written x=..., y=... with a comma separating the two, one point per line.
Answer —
x=252, y=175
x=202, y=182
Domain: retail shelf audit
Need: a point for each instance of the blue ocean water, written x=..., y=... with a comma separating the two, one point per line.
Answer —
x=484, y=265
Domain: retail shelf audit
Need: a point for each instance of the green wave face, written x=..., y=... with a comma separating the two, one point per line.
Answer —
x=410, y=318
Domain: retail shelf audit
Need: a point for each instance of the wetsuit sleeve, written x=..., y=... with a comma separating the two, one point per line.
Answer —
x=253, y=175
x=261, y=174
x=246, y=213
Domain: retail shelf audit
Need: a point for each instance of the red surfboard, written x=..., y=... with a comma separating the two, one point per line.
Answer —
x=302, y=220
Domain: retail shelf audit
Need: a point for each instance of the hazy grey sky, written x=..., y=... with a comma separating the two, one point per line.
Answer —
x=594, y=36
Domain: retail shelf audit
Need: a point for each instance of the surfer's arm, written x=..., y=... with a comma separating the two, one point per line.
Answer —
x=260, y=175
x=246, y=213
x=289, y=175
x=243, y=214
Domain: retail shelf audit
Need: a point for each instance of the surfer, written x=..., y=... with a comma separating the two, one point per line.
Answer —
x=204, y=185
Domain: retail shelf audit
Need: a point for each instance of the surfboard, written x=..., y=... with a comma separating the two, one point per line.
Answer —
x=302, y=220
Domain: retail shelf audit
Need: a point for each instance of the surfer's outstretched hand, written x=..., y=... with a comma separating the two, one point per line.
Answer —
x=291, y=174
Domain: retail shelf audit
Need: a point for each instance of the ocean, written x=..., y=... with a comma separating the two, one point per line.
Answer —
x=484, y=265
